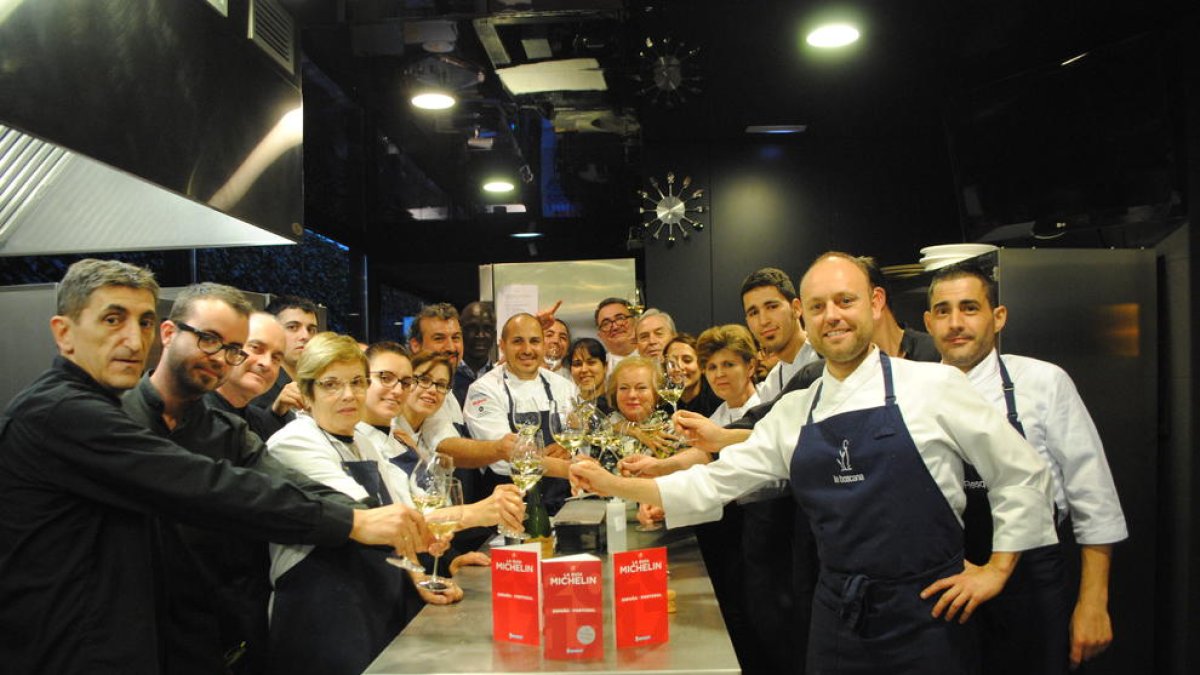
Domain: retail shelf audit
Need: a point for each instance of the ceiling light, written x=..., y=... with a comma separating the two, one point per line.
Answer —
x=433, y=101
x=833, y=35
x=525, y=235
x=498, y=185
x=776, y=128
x=1073, y=59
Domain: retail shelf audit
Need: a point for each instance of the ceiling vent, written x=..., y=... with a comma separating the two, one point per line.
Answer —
x=274, y=31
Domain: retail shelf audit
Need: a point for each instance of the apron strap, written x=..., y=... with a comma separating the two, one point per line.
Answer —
x=511, y=405
x=1010, y=399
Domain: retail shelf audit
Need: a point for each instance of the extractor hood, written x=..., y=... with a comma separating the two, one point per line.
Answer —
x=159, y=124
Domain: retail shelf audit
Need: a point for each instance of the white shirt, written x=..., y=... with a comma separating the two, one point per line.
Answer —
x=611, y=360
x=725, y=414
x=451, y=411
x=488, y=414
x=433, y=432
x=1059, y=427
x=303, y=446
x=772, y=385
x=948, y=422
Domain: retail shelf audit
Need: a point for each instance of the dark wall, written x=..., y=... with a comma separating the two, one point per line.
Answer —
x=781, y=203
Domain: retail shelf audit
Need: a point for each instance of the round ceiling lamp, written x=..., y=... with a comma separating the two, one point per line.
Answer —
x=433, y=100
x=833, y=35
x=498, y=185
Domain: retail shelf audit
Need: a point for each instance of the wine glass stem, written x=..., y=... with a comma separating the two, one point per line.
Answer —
x=436, y=558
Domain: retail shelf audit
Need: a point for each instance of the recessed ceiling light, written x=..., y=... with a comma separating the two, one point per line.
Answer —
x=498, y=186
x=833, y=35
x=433, y=101
x=525, y=235
x=776, y=128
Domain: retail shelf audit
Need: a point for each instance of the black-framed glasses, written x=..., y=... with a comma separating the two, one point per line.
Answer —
x=607, y=324
x=389, y=379
x=425, y=382
x=211, y=343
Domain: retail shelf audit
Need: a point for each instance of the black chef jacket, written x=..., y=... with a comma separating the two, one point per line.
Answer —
x=79, y=480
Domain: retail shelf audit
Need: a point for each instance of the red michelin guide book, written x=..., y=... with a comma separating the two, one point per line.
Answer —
x=516, y=586
x=640, y=597
x=573, y=607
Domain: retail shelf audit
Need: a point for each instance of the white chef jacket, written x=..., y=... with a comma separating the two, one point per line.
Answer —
x=1059, y=427
x=772, y=385
x=303, y=446
x=433, y=432
x=487, y=411
x=948, y=422
x=450, y=411
x=724, y=414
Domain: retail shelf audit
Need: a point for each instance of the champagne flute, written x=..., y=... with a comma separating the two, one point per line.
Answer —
x=526, y=467
x=442, y=524
x=426, y=489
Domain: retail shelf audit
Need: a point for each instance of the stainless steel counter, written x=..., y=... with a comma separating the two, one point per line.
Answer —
x=458, y=638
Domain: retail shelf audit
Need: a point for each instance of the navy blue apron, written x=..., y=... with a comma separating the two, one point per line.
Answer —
x=1025, y=629
x=884, y=532
x=337, y=609
x=554, y=490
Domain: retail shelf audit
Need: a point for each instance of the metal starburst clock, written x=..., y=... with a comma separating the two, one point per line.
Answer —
x=671, y=210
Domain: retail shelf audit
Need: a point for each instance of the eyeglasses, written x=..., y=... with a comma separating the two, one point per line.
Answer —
x=210, y=343
x=389, y=379
x=332, y=385
x=607, y=324
x=425, y=382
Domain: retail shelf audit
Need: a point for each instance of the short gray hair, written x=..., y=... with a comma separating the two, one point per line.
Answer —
x=655, y=312
x=209, y=291
x=442, y=310
x=86, y=276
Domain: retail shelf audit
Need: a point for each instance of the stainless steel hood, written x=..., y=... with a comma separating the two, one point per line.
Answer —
x=157, y=124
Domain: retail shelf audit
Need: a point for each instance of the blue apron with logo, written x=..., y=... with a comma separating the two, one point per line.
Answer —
x=1025, y=629
x=884, y=532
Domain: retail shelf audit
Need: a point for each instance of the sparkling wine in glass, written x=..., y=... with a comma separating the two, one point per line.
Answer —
x=442, y=523
x=426, y=488
x=526, y=468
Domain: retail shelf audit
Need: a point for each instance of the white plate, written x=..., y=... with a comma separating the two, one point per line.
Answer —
x=965, y=250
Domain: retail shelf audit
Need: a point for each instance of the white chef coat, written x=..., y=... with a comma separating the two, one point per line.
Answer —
x=451, y=411
x=948, y=422
x=772, y=385
x=724, y=414
x=488, y=414
x=1059, y=427
x=303, y=446
x=433, y=432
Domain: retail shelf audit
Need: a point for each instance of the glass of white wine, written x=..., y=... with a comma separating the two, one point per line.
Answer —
x=426, y=489
x=526, y=416
x=442, y=523
x=566, y=428
x=527, y=469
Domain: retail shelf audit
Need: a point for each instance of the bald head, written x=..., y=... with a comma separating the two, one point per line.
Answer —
x=521, y=340
x=840, y=310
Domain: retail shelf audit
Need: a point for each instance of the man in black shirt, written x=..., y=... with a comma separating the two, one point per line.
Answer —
x=264, y=354
x=80, y=483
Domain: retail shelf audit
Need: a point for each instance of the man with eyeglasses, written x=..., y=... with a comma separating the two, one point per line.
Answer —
x=264, y=355
x=614, y=323
x=82, y=574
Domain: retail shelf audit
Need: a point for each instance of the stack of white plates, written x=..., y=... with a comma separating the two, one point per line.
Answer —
x=937, y=257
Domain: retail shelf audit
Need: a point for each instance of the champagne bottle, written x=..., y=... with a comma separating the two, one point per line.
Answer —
x=537, y=519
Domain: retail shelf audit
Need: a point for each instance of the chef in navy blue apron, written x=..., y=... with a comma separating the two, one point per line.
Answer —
x=884, y=532
x=1026, y=628
x=338, y=607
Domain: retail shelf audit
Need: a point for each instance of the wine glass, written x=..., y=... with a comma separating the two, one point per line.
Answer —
x=636, y=304
x=565, y=428
x=672, y=384
x=526, y=417
x=442, y=524
x=527, y=469
x=426, y=488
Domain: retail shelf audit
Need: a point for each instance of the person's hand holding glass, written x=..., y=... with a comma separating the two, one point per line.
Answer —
x=442, y=523
x=525, y=464
x=427, y=489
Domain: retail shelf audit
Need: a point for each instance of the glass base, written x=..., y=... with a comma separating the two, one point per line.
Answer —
x=434, y=585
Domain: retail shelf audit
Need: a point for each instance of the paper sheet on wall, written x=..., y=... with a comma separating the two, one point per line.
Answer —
x=514, y=299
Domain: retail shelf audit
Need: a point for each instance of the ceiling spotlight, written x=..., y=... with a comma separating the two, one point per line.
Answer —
x=498, y=185
x=833, y=35
x=433, y=101
x=526, y=235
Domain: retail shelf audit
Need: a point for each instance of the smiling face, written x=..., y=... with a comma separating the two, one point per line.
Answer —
x=110, y=339
x=194, y=373
x=840, y=311
x=962, y=322
x=338, y=409
x=384, y=402
x=443, y=337
x=636, y=397
x=523, y=347
x=478, y=323
x=685, y=358
x=557, y=338
x=587, y=371
x=771, y=317
x=729, y=375
x=653, y=333
x=264, y=349
x=426, y=400
x=615, y=327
